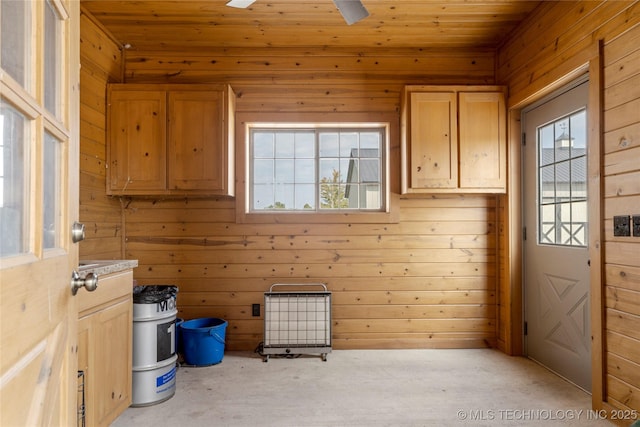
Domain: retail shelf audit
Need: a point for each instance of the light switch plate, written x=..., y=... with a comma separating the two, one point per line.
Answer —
x=621, y=225
x=635, y=224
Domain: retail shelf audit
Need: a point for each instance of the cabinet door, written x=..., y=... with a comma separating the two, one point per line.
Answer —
x=433, y=140
x=197, y=141
x=104, y=354
x=84, y=345
x=105, y=329
x=137, y=145
x=112, y=366
x=482, y=141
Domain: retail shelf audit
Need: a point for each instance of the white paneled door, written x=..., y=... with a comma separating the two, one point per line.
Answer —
x=556, y=261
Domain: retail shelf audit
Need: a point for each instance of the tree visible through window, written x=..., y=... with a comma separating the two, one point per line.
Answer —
x=314, y=169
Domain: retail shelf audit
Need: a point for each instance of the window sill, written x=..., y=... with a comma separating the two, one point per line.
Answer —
x=392, y=216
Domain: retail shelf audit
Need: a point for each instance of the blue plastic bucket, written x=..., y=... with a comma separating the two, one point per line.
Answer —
x=203, y=341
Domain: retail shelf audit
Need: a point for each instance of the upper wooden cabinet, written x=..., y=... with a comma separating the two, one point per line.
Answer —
x=454, y=139
x=170, y=139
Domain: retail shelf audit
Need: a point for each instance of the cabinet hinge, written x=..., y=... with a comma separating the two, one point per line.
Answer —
x=526, y=328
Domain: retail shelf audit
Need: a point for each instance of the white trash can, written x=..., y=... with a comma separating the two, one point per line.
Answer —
x=154, y=344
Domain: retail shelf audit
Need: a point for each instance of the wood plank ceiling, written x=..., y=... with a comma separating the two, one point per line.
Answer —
x=151, y=25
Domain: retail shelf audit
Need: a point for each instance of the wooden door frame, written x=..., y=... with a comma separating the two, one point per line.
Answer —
x=589, y=61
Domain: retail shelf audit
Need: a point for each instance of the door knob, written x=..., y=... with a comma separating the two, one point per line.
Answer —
x=77, y=232
x=90, y=282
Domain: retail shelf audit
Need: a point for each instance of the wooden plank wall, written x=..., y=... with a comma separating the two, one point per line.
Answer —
x=101, y=62
x=622, y=197
x=427, y=281
x=568, y=41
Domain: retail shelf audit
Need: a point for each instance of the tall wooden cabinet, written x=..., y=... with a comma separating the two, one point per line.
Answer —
x=105, y=328
x=454, y=139
x=170, y=139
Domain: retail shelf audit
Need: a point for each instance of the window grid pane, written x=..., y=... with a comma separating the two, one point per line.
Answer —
x=52, y=68
x=316, y=169
x=14, y=30
x=562, y=181
x=14, y=208
x=51, y=207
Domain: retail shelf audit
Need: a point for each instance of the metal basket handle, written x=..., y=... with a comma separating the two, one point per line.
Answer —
x=324, y=287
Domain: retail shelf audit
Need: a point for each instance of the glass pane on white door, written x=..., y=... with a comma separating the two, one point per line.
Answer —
x=562, y=181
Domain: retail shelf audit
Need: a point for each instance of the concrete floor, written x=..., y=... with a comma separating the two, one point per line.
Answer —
x=370, y=388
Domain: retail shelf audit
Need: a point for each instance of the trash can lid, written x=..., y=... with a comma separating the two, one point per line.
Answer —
x=151, y=294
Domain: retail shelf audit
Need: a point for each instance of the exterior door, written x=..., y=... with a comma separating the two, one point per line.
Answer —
x=39, y=145
x=556, y=262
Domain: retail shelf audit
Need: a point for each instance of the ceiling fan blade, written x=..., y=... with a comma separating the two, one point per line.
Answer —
x=352, y=10
x=240, y=4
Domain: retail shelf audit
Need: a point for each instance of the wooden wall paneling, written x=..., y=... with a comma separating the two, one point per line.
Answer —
x=324, y=68
x=510, y=58
x=620, y=115
x=626, y=88
x=625, y=300
x=99, y=50
x=620, y=204
x=623, y=323
x=623, y=185
x=470, y=242
x=317, y=98
x=178, y=255
x=622, y=197
x=563, y=56
x=297, y=232
x=92, y=97
x=625, y=346
x=436, y=275
x=101, y=62
x=621, y=394
x=564, y=38
x=354, y=284
x=306, y=272
x=91, y=115
x=622, y=276
x=622, y=138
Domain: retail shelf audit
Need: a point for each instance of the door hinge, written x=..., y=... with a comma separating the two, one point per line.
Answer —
x=524, y=139
x=524, y=233
x=526, y=328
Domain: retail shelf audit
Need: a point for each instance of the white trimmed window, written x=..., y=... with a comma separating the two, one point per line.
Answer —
x=312, y=168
